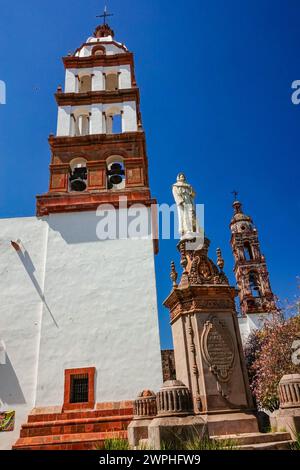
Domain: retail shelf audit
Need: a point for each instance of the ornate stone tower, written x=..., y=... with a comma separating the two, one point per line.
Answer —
x=257, y=300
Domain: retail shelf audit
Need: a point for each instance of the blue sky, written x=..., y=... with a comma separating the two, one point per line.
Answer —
x=215, y=79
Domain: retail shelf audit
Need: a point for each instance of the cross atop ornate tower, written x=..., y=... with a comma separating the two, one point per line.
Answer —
x=99, y=151
x=250, y=268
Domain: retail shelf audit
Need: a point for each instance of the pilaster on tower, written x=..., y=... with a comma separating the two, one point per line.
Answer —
x=250, y=269
x=99, y=151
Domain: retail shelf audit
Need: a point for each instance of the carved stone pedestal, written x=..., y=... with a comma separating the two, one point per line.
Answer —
x=175, y=422
x=288, y=416
x=208, y=350
x=144, y=410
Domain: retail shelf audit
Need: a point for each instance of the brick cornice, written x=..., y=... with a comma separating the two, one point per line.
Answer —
x=88, y=201
x=91, y=97
x=95, y=139
x=73, y=62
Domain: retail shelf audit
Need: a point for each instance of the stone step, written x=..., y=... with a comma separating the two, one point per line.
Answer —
x=280, y=445
x=256, y=438
x=74, y=426
x=79, y=414
x=83, y=441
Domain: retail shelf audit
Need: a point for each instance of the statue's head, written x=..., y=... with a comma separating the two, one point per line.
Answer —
x=181, y=178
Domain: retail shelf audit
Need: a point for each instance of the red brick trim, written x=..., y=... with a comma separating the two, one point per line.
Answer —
x=90, y=97
x=90, y=371
x=75, y=62
x=115, y=140
x=54, y=203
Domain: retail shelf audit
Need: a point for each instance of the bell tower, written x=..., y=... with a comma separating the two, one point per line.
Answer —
x=257, y=300
x=101, y=291
x=99, y=152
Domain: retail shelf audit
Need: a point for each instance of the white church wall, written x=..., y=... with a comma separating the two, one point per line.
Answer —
x=125, y=77
x=64, y=121
x=69, y=300
x=21, y=277
x=97, y=122
x=111, y=48
x=110, y=322
x=252, y=322
x=98, y=81
x=71, y=81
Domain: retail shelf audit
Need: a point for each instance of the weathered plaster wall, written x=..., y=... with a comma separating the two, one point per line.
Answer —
x=21, y=278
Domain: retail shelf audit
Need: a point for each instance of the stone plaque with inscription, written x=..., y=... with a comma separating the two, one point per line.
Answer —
x=218, y=348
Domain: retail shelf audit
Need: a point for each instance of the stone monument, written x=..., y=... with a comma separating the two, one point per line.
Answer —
x=208, y=350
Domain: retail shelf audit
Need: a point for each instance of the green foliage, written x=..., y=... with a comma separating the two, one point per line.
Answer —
x=198, y=441
x=268, y=356
x=116, y=444
x=211, y=444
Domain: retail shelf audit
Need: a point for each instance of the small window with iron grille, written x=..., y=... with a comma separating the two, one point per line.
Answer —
x=79, y=390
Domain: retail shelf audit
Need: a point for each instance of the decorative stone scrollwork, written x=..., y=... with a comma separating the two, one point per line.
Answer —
x=144, y=406
x=217, y=348
x=289, y=391
x=174, y=399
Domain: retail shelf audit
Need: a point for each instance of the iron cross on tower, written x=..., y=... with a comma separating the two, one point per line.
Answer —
x=235, y=194
x=105, y=15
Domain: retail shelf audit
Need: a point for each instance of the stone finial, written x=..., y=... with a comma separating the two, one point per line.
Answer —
x=174, y=399
x=220, y=260
x=103, y=31
x=145, y=405
x=173, y=274
x=289, y=391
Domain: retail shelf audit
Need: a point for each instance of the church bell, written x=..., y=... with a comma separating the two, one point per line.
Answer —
x=78, y=179
x=115, y=175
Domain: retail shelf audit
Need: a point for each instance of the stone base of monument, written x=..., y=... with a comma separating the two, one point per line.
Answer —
x=172, y=431
x=231, y=423
x=138, y=432
x=167, y=421
x=287, y=418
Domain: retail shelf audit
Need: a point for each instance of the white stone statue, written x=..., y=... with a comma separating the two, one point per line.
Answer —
x=184, y=196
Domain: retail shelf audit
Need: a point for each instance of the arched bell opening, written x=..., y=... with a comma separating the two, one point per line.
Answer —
x=115, y=173
x=254, y=284
x=85, y=83
x=248, y=251
x=78, y=175
x=114, y=120
x=112, y=81
x=80, y=123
